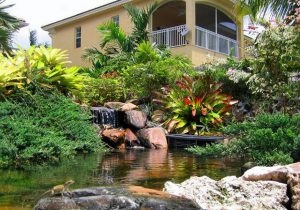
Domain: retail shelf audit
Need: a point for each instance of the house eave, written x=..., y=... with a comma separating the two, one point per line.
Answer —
x=76, y=17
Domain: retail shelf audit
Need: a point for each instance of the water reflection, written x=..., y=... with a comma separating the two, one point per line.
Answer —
x=149, y=168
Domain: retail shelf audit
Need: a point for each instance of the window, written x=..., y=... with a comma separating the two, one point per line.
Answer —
x=214, y=20
x=78, y=37
x=116, y=20
x=226, y=26
x=206, y=17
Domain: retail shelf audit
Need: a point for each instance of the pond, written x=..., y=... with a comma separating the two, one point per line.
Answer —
x=21, y=189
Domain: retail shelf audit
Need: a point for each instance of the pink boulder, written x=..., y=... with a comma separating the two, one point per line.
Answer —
x=154, y=138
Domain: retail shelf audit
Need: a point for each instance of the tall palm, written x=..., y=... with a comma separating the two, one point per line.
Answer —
x=258, y=9
x=141, y=18
x=8, y=25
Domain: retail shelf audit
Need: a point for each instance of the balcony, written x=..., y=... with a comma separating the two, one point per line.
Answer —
x=169, y=37
x=215, y=42
x=173, y=37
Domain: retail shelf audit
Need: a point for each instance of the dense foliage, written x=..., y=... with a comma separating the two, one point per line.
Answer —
x=38, y=123
x=43, y=127
x=269, y=139
x=134, y=75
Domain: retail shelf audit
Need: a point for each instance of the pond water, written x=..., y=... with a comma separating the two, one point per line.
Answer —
x=20, y=189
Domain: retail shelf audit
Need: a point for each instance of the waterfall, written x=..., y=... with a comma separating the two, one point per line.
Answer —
x=105, y=116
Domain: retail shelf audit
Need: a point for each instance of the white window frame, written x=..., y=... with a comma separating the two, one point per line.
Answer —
x=78, y=37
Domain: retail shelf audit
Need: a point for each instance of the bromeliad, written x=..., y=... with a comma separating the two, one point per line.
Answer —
x=197, y=105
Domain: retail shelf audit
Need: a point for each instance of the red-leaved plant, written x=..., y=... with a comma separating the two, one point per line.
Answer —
x=197, y=105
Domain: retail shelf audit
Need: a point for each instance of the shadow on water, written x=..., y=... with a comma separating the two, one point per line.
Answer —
x=151, y=169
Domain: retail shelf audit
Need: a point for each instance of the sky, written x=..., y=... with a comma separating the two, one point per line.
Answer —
x=38, y=13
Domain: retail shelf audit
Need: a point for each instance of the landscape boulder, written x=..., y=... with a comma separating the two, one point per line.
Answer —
x=231, y=193
x=275, y=173
x=114, y=137
x=135, y=119
x=130, y=198
x=154, y=138
x=128, y=107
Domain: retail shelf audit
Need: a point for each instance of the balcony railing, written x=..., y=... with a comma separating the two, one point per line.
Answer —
x=216, y=42
x=169, y=37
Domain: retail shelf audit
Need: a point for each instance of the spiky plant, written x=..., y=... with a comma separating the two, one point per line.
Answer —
x=196, y=106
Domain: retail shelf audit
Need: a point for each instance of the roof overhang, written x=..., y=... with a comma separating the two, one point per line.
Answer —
x=91, y=12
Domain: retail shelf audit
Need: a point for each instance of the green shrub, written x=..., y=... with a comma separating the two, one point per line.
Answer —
x=101, y=90
x=145, y=78
x=269, y=139
x=40, y=128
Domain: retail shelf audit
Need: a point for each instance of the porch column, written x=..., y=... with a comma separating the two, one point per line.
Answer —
x=191, y=20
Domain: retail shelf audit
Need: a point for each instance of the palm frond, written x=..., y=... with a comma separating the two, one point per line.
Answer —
x=258, y=9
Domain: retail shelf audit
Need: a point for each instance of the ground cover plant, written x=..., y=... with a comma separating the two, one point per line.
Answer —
x=43, y=127
x=269, y=139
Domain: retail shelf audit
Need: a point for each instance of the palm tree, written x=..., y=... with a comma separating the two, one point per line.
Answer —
x=33, y=38
x=258, y=9
x=8, y=25
x=114, y=39
x=141, y=18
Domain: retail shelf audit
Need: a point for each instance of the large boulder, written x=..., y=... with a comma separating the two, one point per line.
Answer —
x=275, y=173
x=231, y=193
x=114, y=137
x=289, y=174
x=135, y=119
x=131, y=198
x=154, y=138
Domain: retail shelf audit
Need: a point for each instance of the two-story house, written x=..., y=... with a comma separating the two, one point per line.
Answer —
x=194, y=28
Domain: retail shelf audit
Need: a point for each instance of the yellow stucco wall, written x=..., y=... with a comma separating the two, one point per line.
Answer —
x=64, y=36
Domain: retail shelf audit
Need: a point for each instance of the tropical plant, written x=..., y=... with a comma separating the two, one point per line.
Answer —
x=43, y=68
x=196, y=106
x=10, y=77
x=257, y=9
x=140, y=19
x=8, y=25
x=95, y=57
x=269, y=139
x=114, y=39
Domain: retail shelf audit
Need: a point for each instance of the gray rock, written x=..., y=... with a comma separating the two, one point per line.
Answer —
x=231, y=193
x=107, y=198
